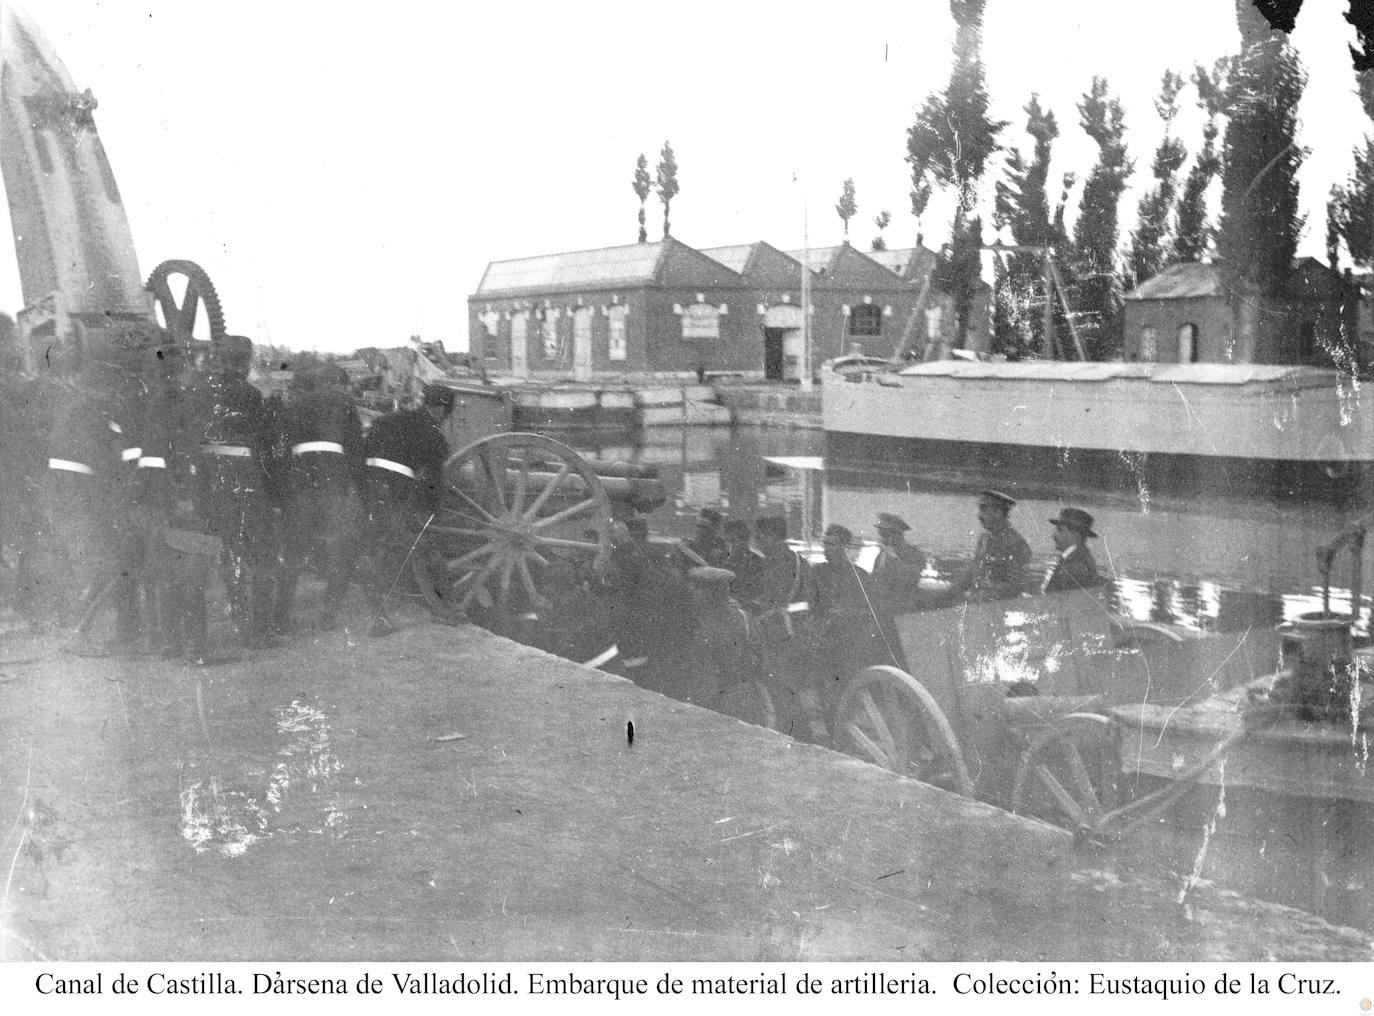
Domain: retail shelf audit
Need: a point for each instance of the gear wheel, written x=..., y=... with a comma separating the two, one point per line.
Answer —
x=180, y=318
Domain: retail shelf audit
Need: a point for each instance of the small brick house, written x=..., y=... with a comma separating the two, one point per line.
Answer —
x=1186, y=314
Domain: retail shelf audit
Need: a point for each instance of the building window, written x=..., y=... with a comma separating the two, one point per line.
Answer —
x=934, y=320
x=865, y=321
x=491, y=322
x=616, y=318
x=1187, y=344
x=1147, y=344
x=701, y=321
x=550, y=330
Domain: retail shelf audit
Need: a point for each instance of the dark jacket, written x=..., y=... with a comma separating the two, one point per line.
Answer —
x=1077, y=570
x=411, y=440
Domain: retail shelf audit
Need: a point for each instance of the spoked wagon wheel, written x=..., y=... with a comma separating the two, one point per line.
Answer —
x=512, y=506
x=1070, y=775
x=884, y=716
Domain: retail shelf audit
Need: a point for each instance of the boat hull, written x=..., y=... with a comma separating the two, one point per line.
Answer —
x=1212, y=428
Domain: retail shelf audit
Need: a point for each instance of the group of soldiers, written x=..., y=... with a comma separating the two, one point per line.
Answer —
x=760, y=607
x=165, y=468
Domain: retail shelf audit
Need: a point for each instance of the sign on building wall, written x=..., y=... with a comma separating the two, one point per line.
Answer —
x=701, y=321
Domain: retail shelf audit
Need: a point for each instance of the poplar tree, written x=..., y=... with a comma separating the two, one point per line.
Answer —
x=1350, y=212
x=948, y=147
x=1023, y=206
x=1260, y=218
x=1097, y=230
x=882, y=220
x=641, y=185
x=845, y=207
x=1193, y=230
x=667, y=182
x=1150, y=240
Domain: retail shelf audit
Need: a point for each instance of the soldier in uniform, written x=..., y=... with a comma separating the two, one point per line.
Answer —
x=1073, y=567
x=784, y=602
x=708, y=544
x=235, y=454
x=847, y=611
x=321, y=440
x=87, y=492
x=742, y=559
x=1000, y=557
x=404, y=454
x=181, y=552
x=724, y=655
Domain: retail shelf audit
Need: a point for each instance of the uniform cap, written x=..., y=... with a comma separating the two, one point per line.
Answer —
x=1076, y=519
x=712, y=516
x=886, y=520
x=1005, y=500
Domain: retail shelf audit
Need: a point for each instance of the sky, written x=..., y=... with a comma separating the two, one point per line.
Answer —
x=345, y=171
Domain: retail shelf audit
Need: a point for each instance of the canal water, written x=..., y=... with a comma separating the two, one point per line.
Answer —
x=1218, y=564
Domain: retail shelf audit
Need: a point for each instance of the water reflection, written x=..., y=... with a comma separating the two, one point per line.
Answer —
x=227, y=820
x=1207, y=564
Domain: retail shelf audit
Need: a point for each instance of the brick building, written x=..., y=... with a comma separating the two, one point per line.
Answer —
x=1186, y=314
x=665, y=307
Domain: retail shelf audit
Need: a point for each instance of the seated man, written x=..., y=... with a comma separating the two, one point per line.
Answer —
x=998, y=569
x=1074, y=568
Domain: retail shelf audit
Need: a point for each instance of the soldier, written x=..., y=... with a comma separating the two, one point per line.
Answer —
x=848, y=616
x=1074, y=567
x=741, y=558
x=897, y=569
x=1000, y=557
x=405, y=454
x=785, y=596
x=321, y=475
x=87, y=492
x=235, y=452
x=724, y=654
x=181, y=553
x=708, y=543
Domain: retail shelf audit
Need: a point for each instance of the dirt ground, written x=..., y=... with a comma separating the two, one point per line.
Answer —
x=445, y=794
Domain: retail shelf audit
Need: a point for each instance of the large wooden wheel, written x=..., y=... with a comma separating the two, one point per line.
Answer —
x=1070, y=774
x=513, y=505
x=884, y=716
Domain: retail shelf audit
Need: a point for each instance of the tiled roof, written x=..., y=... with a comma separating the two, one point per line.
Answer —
x=816, y=258
x=1187, y=279
x=636, y=262
x=734, y=257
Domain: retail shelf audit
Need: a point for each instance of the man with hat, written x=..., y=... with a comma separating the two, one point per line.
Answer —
x=849, y=625
x=897, y=569
x=1074, y=568
x=1000, y=557
x=723, y=652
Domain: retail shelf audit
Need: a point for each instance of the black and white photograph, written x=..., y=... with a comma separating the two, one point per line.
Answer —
x=733, y=486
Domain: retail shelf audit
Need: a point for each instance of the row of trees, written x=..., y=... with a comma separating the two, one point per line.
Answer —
x=1255, y=93
x=665, y=184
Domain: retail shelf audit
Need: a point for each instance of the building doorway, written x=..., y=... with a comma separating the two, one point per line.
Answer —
x=782, y=327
